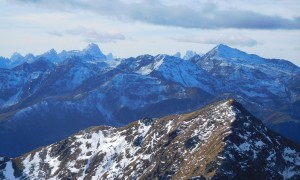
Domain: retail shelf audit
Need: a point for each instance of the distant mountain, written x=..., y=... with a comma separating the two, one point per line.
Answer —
x=191, y=54
x=187, y=56
x=91, y=52
x=58, y=94
x=221, y=141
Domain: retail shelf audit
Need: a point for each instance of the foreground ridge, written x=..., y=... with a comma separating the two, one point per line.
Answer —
x=222, y=140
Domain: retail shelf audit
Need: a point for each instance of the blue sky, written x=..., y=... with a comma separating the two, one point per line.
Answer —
x=269, y=28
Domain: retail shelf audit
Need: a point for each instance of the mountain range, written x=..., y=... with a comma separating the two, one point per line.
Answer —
x=220, y=141
x=46, y=98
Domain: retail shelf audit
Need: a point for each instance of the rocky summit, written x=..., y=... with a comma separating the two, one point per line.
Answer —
x=220, y=141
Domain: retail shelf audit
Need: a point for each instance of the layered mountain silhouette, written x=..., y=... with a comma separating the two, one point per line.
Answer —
x=48, y=97
x=220, y=141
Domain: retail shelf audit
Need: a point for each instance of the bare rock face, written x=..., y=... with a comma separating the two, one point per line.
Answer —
x=221, y=141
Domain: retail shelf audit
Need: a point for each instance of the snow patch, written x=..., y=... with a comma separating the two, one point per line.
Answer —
x=245, y=146
x=259, y=144
x=9, y=171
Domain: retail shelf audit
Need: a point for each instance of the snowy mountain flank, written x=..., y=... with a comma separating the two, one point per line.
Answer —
x=46, y=98
x=221, y=141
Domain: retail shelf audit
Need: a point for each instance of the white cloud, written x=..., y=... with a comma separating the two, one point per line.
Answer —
x=205, y=15
x=91, y=35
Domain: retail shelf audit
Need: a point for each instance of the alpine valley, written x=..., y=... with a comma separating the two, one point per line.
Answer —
x=221, y=141
x=46, y=98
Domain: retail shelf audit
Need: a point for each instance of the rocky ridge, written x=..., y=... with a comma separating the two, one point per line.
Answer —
x=221, y=141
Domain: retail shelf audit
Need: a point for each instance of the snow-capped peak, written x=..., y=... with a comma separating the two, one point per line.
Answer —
x=92, y=47
x=226, y=53
x=94, y=50
x=222, y=46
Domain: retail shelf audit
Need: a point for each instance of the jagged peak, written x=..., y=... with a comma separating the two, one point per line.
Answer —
x=110, y=56
x=189, y=54
x=51, y=51
x=94, y=50
x=15, y=56
x=92, y=46
x=30, y=58
x=177, y=54
x=50, y=55
x=29, y=55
